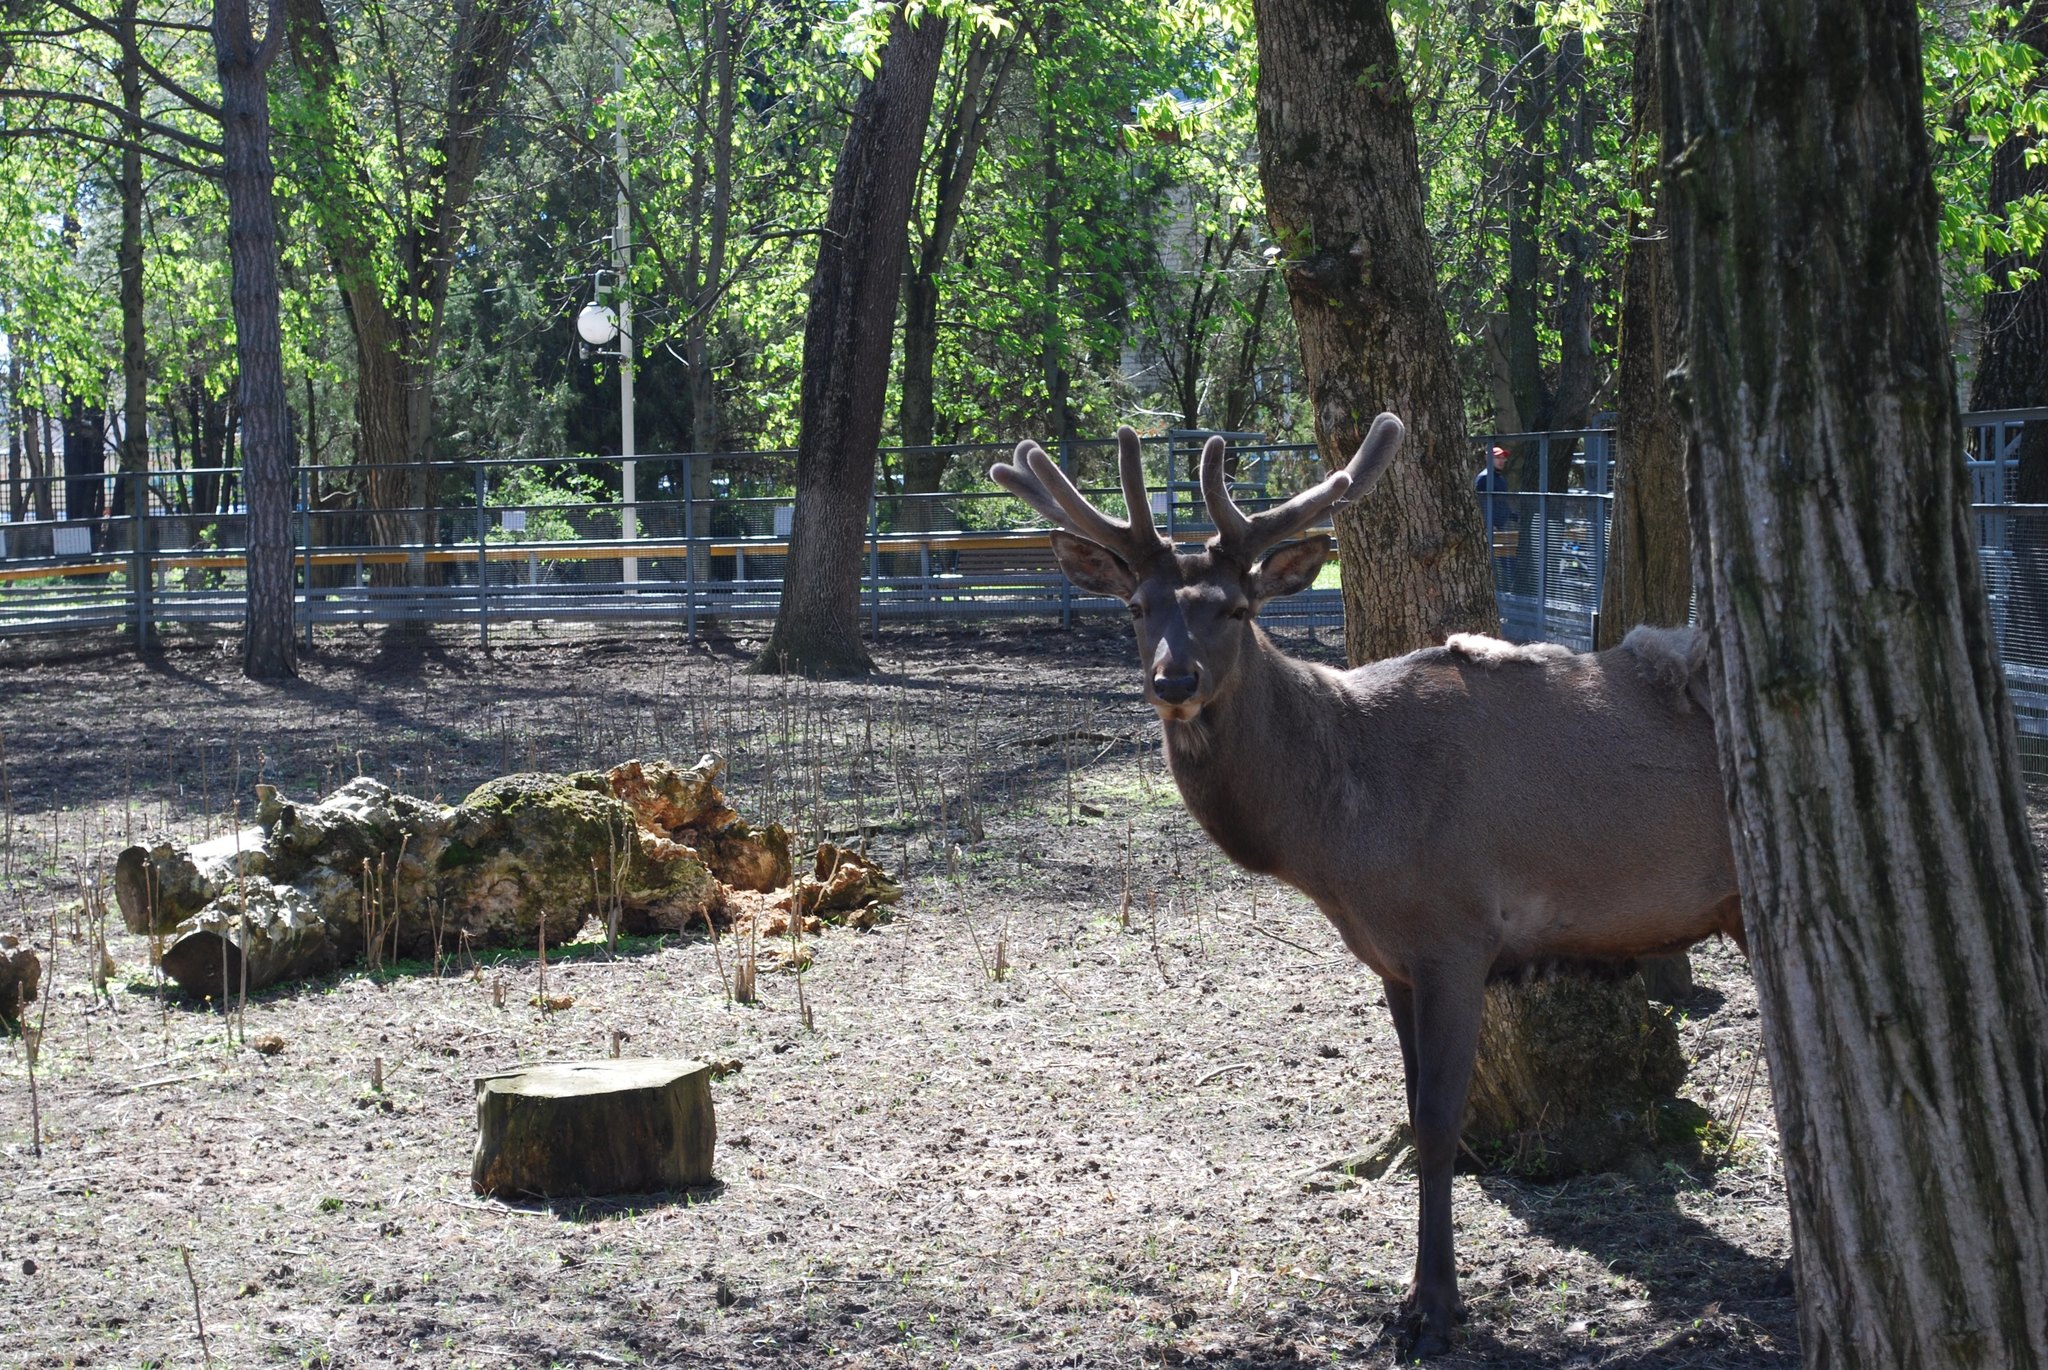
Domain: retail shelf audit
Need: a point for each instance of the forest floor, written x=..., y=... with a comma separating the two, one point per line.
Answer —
x=1106, y=1156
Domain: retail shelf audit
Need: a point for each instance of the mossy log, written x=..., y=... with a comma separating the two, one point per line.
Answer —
x=594, y=1127
x=1577, y=1075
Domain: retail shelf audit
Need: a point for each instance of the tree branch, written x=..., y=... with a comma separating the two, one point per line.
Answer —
x=176, y=135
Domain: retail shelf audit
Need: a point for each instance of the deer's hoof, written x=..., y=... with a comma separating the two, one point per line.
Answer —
x=1424, y=1328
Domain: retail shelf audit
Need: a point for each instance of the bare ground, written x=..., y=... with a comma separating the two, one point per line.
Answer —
x=1105, y=1157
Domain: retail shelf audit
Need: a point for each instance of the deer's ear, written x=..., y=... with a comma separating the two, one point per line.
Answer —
x=1286, y=570
x=1095, y=569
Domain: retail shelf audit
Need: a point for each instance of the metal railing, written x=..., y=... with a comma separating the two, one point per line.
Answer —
x=493, y=542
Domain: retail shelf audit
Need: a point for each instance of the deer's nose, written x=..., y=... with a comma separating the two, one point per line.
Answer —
x=1174, y=689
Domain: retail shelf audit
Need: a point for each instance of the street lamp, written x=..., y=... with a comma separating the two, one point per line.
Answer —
x=597, y=324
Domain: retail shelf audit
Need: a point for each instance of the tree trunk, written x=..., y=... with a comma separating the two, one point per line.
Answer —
x=17, y=436
x=134, y=345
x=243, y=63
x=85, y=460
x=1526, y=179
x=846, y=358
x=1242, y=391
x=1888, y=881
x=396, y=317
x=2012, y=367
x=1344, y=195
x=708, y=263
x=33, y=450
x=1649, y=543
x=594, y=1127
x=981, y=86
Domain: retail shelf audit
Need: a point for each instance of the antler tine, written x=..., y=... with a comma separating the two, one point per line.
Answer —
x=1130, y=465
x=1015, y=476
x=1232, y=527
x=1333, y=491
x=1084, y=519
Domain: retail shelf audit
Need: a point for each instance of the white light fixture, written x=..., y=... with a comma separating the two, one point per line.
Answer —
x=597, y=324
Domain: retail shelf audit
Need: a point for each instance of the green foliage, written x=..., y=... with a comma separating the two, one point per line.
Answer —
x=1112, y=238
x=1983, y=88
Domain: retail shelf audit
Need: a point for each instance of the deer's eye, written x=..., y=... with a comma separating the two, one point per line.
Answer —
x=1241, y=612
x=1137, y=609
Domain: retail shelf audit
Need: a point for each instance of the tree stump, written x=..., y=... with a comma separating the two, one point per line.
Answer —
x=1577, y=1075
x=594, y=1127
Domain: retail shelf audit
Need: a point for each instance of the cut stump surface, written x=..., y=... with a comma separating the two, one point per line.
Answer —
x=594, y=1127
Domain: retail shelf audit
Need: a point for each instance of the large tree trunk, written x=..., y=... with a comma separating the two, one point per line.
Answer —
x=1888, y=881
x=1344, y=195
x=846, y=358
x=1521, y=351
x=132, y=494
x=243, y=63
x=396, y=317
x=1649, y=542
x=2012, y=367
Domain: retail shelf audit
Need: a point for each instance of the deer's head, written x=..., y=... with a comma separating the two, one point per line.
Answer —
x=1193, y=610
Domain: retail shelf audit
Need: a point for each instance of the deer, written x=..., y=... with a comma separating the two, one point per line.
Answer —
x=1460, y=814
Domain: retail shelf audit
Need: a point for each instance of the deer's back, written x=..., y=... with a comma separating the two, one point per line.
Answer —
x=1572, y=800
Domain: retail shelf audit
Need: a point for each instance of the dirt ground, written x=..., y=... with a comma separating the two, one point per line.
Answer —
x=1106, y=1156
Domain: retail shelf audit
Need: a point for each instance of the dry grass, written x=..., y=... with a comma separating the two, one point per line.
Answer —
x=1061, y=1110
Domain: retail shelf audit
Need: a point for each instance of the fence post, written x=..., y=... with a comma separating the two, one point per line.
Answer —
x=483, y=568
x=874, y=566
x=306, y=550
x=139, y=572
x=1067, y=586
x=690, y=548
x=1543, y=537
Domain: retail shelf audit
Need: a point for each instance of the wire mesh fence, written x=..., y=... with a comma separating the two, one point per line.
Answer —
x=483, y=543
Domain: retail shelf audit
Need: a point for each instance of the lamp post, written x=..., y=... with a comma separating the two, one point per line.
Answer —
x=598, y=324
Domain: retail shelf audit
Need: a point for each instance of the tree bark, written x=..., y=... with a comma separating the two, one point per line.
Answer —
x=1888, y=881
x=846, y=358
x=243, y=63
x=1649, y=542
x=2012, y=365
x=1344, y=196
x=716, y=103
x=18, y=436
x=594, y=1127
x=981, y=85
x=132, y=493
x=397, y=322
x=1531, y=75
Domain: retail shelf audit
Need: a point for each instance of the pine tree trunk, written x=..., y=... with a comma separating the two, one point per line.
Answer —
x=846, y=359
x=1890, y=888
x=1344, y=196
x=248, y=179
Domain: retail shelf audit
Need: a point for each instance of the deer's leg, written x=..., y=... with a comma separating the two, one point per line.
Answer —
x=1401, y=1005
x=1446, y=1009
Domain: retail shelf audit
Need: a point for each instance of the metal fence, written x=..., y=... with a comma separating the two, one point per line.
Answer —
x=489, y=543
